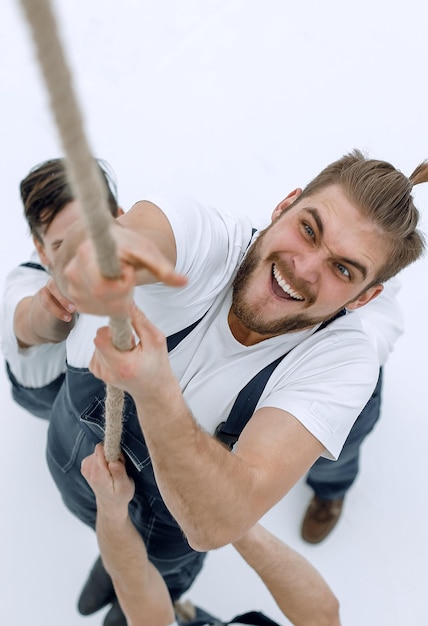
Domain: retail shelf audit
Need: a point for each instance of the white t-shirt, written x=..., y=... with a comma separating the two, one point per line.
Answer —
x=36, y=366
x=211, y=365
x=324, y=382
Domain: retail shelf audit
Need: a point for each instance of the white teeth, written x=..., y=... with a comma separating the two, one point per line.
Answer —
x=285, y=286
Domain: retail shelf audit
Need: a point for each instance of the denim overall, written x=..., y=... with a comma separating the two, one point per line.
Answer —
x=77, y=424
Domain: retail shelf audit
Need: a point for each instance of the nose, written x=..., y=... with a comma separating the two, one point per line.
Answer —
x=307, y=266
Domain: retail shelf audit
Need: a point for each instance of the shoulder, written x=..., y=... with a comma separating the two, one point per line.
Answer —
x=202, y=229
x=21, y=282
x=344, y=336
x=382, y=319
x=326, y=381
x=30, y=272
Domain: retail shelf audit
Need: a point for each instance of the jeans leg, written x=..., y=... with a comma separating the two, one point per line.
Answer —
x=332, y=479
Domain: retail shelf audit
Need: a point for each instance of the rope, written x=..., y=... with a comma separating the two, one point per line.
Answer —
x=86, y=182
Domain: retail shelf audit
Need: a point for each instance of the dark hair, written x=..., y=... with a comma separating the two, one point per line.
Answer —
x=46, y=190
x=383, y=194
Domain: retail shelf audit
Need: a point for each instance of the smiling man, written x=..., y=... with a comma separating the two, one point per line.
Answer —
x=310, y=274
x=36, y=318
x=258, y=348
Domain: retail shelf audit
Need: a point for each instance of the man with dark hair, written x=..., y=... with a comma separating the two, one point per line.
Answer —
x=36, y=317
x=45, y=192
x=259, y=349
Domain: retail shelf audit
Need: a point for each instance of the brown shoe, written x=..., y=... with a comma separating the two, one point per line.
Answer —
x=321, y=517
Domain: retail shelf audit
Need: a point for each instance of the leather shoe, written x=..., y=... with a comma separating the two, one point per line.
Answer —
x=115, y=616
x=320, y=518
x=98, y=590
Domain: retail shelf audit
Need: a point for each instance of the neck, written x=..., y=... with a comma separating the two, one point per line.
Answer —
x=242, y=334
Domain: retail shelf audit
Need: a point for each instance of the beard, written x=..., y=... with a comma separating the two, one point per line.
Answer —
x=252, y=316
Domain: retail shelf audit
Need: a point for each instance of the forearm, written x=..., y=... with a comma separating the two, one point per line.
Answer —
x=145, y=248
x=34, y=324
x=140, y=589
x=212, y=493
x=215, y=495
x=297, y=587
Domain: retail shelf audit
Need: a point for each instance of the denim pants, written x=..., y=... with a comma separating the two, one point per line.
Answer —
x=332, y=479
x=76, y=426
x=37, y=400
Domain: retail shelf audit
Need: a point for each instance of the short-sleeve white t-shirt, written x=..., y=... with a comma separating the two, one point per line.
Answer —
x=36, y=366
x=324, y=381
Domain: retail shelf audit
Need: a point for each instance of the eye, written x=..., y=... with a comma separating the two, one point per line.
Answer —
x=309, y=230
x=343, y=270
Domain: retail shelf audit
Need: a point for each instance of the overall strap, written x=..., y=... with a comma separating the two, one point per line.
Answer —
x=244, y=406
x=173, y=340
x=253, y=618
x=228, y=432
x=34, y=266
x=335, y=317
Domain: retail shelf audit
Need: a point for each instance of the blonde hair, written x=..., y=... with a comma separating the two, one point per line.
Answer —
x=384, y=195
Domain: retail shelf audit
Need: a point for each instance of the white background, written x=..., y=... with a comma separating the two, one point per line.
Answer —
x=237, y=102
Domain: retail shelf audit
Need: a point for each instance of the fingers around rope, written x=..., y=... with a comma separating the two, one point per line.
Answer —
x=120, y=368
x=93, y=293
x=52, y=287
x=97, y=456
x=117, y=469
x=146, y=332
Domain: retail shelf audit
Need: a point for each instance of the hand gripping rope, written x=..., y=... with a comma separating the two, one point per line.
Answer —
x=86, y=182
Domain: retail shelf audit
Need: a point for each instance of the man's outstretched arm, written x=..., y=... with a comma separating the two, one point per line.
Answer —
x=299, y=590
x=140, y=589
x=45, y=317
x=214, y=495
x=145, y=245
x=296, y=586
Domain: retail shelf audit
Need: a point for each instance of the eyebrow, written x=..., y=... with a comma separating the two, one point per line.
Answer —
x=316, y=216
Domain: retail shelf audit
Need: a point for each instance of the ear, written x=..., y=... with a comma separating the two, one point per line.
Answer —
x=287, y=202
x=365, y=297
x=40, y=250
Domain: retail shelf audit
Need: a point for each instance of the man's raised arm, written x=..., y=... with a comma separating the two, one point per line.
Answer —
x=299, y=590
x=140, y=588
x=145, y=246
x=214, y=495
x=45, y=317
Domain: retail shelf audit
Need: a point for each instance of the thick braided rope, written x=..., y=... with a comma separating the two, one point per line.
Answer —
x=86, y=182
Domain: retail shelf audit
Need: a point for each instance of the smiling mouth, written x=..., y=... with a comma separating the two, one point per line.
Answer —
x=286, y=289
